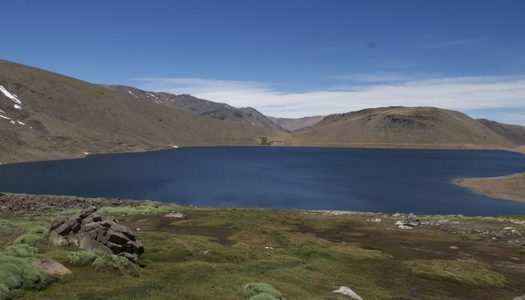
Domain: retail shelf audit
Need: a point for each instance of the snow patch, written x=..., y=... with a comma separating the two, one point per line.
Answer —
x=21, y=123
x=16, y=106
x=12, y=122
x=131, y=93
x=4, y=117
x=9, y=95
x=174, y=146
x=151, y=95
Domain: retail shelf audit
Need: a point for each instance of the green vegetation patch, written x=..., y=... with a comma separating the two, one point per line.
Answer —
x=20, y=250
x=114, y=263
x=260, y=291
x=17, y=274
x=147, y=208
x=81, y=258
x=468, y=272
x=33, y=237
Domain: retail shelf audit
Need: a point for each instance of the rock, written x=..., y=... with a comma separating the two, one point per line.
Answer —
x=86, y=212
x=57, y=221
x=51, y=267
x=91, y=231
x=57, y=240
x=89, y=244
x=410, y=222
x=63, y=229
x=176, y=215
x=344, y=290
x=116, y=237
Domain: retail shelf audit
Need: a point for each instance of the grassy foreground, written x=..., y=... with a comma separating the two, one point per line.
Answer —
x=213, y=253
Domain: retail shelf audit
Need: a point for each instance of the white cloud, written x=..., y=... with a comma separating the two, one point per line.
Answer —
x=458, y=93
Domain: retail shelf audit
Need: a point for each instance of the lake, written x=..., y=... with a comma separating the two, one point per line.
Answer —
x=378, y=180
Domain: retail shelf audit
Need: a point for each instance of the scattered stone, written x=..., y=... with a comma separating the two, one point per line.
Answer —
x=344, y=290
x=13, y=203
x=51, y=267
x=374, y=220
x=410, y=222
x=91, y=231
x=175, y=214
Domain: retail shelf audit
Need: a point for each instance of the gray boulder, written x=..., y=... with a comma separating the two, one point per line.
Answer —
x=92, y=231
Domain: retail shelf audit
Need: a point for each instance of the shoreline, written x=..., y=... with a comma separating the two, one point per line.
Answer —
x=520, y=150
x=19, y=203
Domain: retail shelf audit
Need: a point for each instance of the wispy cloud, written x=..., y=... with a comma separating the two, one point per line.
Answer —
x=466, y=42
x=459, y=93
x=382, y=77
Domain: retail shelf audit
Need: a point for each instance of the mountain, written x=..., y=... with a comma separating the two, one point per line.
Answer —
x=514, y=133
x=294, y=125
x=44, y=115
x=220, y=111
x=419, y=127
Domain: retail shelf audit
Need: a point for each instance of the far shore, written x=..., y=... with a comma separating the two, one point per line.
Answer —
x=511, y=187
x=343, y=145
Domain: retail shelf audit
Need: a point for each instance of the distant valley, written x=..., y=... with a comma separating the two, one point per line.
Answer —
x=44, y=115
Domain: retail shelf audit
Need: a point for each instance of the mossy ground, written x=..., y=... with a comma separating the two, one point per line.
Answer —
x=213, y=253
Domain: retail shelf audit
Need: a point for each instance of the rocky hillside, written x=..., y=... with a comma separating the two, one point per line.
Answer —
x=44, y=115
x=294, y=125
x=210, y=109
x=408, y=127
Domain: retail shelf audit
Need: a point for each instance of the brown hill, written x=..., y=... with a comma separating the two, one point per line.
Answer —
x=44, y=115
x=513, y=133
x=214, y=110
x=294, y=125
x=421, y=127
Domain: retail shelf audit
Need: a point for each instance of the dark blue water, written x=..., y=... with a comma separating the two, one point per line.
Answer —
x=416, y=181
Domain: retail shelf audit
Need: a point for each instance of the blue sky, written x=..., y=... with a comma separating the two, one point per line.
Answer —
x=286, y=58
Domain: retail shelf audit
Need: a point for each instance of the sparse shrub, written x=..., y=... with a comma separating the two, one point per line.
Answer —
x=19, y=274
x=33, y=236
x=20, y=250
x=113, y=263
x=260, y=291
x=81, y=258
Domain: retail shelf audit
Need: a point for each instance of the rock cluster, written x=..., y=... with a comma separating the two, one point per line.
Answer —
x=410, y=222
x=93, y=232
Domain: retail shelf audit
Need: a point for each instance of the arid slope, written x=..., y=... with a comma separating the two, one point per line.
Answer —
x=509, y=187
x=420, y=127
x=61, y=117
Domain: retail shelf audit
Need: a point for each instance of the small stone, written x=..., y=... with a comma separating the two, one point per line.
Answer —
x=344, y=290
x=176, y=215
x=51, y=267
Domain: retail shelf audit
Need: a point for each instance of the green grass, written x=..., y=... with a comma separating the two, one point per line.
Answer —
x=81, y=258
x=467, y=272
x=214, y=253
